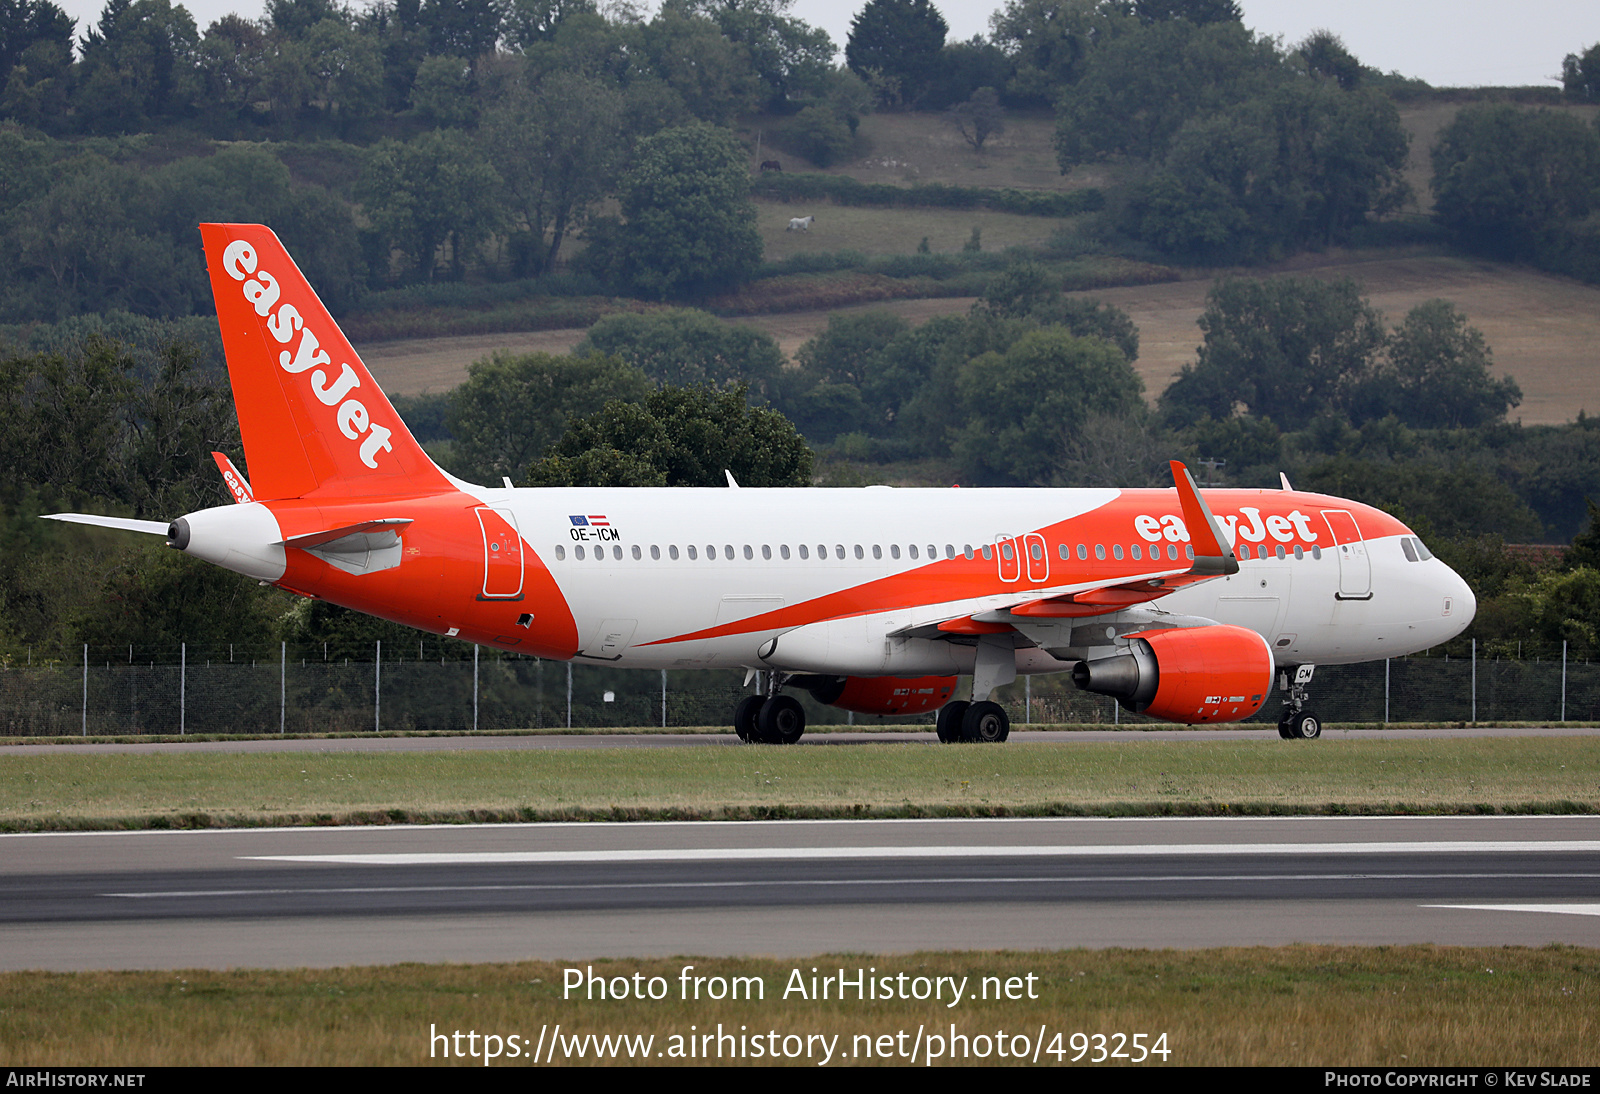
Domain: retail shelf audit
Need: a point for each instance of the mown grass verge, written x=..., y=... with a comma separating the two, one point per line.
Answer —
x=45, y=791
x=1405, y=1006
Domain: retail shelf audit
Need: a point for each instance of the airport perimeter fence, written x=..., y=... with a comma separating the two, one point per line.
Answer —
x=203, y=693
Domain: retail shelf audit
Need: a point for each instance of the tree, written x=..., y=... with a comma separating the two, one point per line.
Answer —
x=1436, y=375
x=1288, y=349
x=897, y=40
x=1325, y=55
x=511, y=408
x=791, y=58
x=1580, y=75
x=427, y=192
x=556, y=147
x=35, y=60
x=1140, y=86
x=692, y=57
x=1048, y=41
x=1505, y=180
x=1026, y=404
x=139, y=62
x=683, y=347
x=1299, y=166
x=979, y=118
x=686, y=436
x=689, y=224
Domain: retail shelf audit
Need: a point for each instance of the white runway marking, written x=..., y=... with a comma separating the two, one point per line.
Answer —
x=758, y=854
x=1563, y=909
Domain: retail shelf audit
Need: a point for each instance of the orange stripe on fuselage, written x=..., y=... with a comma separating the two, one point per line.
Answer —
x=1245, y=513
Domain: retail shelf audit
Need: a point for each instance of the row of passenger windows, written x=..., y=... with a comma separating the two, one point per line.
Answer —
x=913, y=551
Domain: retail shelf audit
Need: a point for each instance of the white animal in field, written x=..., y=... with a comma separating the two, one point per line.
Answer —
x=800, y=224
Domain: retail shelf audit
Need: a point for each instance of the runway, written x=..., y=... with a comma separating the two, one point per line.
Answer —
x=813, y=739
x=322, y=897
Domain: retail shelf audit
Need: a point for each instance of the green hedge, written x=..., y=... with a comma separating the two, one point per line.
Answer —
x=843, y=190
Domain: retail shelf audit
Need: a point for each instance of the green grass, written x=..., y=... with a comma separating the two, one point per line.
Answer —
x=42, y=790
x=1416, y=1006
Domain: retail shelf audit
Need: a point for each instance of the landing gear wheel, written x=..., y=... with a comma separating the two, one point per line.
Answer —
x=949, y=721
x=986, y=723
x=744, y=717
x=1286, y=729
x=1306, y=726
x=781, y=721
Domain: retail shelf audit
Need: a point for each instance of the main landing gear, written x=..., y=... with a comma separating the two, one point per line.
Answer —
x=770, y=719
x=1297, y=723
x=986, y=723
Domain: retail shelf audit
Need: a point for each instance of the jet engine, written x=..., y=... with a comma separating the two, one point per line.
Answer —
x=881, y=695
x=1190, y=675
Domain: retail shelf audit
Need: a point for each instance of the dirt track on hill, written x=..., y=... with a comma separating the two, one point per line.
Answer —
x=1544, y=330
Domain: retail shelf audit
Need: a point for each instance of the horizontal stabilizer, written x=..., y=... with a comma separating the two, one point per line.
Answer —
x=126, y=524
x=317, y=539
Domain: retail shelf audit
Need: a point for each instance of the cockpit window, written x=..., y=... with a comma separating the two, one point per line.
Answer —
x=1405, y=545
x=1422, y=552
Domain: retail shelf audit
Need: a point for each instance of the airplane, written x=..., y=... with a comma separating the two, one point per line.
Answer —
x=1180, y=604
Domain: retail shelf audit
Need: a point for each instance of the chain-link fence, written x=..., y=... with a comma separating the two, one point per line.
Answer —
x=482, y=689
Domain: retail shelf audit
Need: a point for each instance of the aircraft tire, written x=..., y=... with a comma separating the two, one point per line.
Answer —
x=1307, y=727
x=744, y=718
x=948, y=723
x=1286, y=729
x=985, y=723
x=782, y=720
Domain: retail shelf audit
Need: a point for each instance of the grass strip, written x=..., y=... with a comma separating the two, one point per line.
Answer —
x=1416, y=1006
x=42, y=790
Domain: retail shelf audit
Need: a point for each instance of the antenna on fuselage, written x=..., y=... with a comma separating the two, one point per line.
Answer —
x=1285, y=480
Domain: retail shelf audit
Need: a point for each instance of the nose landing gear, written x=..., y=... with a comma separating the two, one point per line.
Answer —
x=1297, y=723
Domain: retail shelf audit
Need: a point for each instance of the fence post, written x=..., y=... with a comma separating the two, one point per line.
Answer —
x=663, y=698
x=1563, y=679
x=183, y=687
x=474, y=687
x=85, y=686
x=1474, y=681
x=1386, y=691
x=569, y=694
x=1027, y=700
x=283, y=686
x=377, y=684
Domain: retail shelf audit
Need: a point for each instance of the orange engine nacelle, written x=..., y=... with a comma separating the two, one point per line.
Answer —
x=880, y=694
x=1190, y=675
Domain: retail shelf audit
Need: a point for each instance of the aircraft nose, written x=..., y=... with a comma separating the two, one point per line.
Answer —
x=1457, y=599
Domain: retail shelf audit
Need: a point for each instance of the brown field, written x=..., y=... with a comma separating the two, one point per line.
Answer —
x=1543, y=329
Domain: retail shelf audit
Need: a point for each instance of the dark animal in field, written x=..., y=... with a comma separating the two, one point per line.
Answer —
x=772, y=165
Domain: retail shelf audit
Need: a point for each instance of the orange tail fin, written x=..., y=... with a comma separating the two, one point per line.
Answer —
x=312, y=417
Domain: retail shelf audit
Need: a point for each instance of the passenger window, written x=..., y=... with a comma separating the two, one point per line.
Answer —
x=1316, y=552
x=913, y=549
x=577, y=552
x=693, y=555
x=1244, y=550
x=561, y=552
x=727, y=551
x=1280, y=552
x=766, y=551
x=966, y=549
x=1083, y=552
x=859, y=552
x=1299, y=551
x=838, y=550
x=637, y=554
x=1037, y=550
x=1188, y=552
x=1172, y=552
x=805, y=552
x=748, y=553
x=1064, y=552
x=1100, y=551
x=655, y=552
x=1136, y=551
x=672, y=552
x=949, y=550
x=988, y=552
x=894, y=550
x=783, y=551
x=1005, y=552
x=877, y=551
x=1116, y=551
